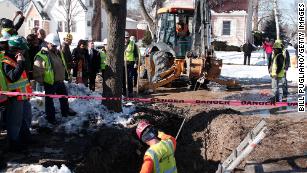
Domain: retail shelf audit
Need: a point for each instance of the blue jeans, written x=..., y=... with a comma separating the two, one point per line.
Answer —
x=18, y=118
x=275, y=87
x=39, y=87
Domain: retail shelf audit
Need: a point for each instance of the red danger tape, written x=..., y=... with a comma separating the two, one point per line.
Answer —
x=157, y=100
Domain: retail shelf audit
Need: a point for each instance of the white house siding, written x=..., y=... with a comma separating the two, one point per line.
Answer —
x=237, y=35
x=131, y=24
x=81, y=28
x=8, y=10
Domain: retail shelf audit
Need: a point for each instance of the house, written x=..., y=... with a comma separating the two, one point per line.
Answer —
x=8, y=10
x=135, y=28
x=50, y=15
x=229, y=22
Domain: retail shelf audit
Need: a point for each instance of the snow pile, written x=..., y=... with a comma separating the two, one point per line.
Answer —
x=233, y=66
x=37, y=169
x=245, y=72
x=238, y=57
x=90, y=113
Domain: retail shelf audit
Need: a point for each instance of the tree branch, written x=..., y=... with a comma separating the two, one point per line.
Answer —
x=145, y=13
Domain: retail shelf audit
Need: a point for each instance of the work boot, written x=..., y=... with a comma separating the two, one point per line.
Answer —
x=70, y=112
x=274, y=99
x=3, y=164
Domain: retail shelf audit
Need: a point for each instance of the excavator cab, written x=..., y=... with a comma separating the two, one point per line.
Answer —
x=175, y=29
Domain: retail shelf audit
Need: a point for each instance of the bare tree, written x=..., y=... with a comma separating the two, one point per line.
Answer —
x=113, y=76
x=22, y=4
x=70, y=9
x=146, y=9
x=264, y=9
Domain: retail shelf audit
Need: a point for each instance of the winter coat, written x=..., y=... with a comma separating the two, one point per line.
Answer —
x=279, y=62
x=94, y=62
x=247, y=49
x=67, y=54
x=80, y=55
x=268, y=47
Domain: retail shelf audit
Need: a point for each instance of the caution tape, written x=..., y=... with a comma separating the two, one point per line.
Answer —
x=158, y=100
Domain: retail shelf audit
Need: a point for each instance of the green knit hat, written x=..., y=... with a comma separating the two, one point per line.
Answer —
x=18, y=42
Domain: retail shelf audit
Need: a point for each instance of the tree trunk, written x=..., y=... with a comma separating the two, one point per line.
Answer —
x=96, y=21
x=113, y=76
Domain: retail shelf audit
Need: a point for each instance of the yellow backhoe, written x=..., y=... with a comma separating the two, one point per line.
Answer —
x=182, y=48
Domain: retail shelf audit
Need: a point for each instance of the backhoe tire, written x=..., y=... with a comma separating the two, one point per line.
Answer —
x=161, y=61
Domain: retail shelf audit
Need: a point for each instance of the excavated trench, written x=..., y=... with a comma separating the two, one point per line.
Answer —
x=118, y=150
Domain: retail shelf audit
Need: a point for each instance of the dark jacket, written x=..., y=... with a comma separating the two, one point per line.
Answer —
x=287, y=64
x=67, y=54
x=77, y=56
x=19, y=23
x=279, y=61
x=247, y=48
x=94, y=61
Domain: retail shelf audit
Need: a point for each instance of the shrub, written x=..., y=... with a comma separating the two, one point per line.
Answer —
x=233, y=48
x=147, y=38
x=219, y=45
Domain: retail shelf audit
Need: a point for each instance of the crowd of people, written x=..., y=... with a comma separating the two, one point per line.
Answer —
x=40, y=62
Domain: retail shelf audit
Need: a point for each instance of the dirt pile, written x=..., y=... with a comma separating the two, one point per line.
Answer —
x=208, y=136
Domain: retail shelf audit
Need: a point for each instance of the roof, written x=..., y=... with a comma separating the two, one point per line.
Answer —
x=40, y=9
x=221, y=6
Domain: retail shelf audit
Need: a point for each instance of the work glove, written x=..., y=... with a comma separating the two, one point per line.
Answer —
x=135, y=66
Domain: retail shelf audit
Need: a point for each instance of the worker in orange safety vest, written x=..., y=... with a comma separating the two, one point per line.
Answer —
x=159, y=157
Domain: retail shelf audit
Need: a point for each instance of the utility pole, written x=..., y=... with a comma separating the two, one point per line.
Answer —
x=249, y=21
x=256, y=7
x=276, y=20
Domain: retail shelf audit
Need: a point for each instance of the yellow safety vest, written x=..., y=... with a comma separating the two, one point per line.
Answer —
x=129, y=52
x=22, y=85
x=274, y=67
x=3, y=86
x=163, y=157
x=103, y=58
x=48, y=73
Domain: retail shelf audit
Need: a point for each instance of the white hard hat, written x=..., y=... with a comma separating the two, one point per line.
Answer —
x=127, y=35
x=105, y=41
x=53, y=39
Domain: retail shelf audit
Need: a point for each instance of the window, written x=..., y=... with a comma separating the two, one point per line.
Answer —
x=91, y=3
x=226, y=27
x=88, y=23
x=73, y=26
x=60, y=26
x=36, y=23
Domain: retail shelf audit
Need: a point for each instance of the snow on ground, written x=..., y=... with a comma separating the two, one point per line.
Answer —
x=233, y=66
x=16, y=168
x=90, y=113
x=238, y=57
